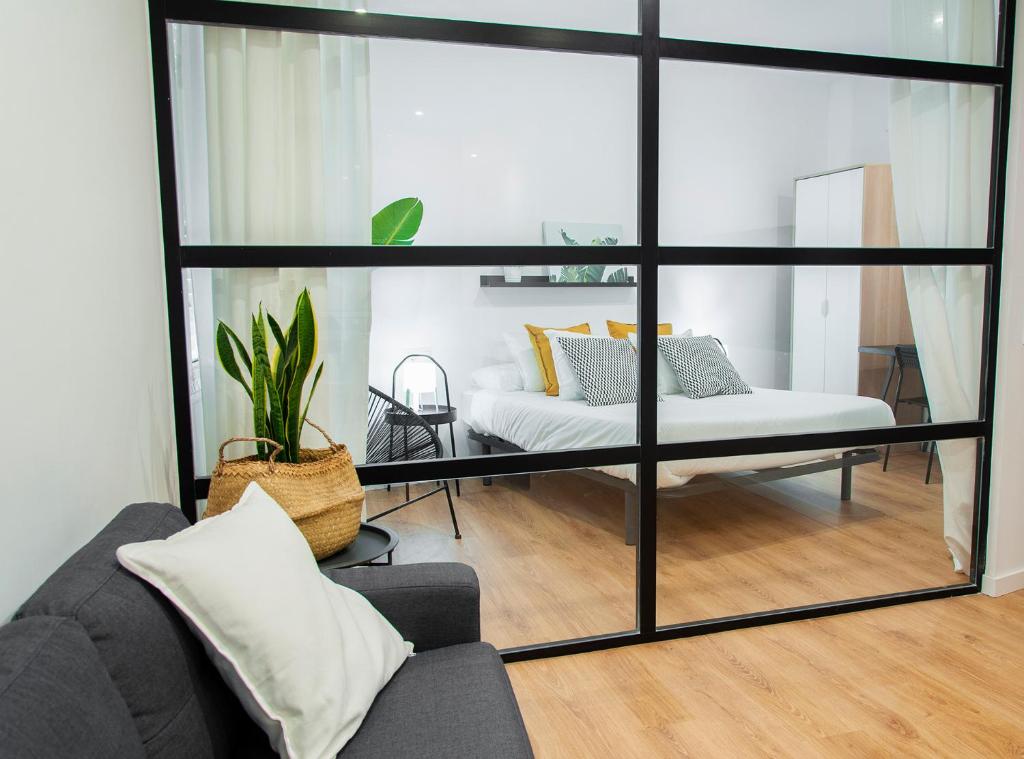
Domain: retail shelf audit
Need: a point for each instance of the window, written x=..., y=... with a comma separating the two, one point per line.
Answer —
x=794, y=210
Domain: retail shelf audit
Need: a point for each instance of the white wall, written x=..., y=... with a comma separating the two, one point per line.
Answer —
x=507, y=139
x=1004, y=571
x=85, y=388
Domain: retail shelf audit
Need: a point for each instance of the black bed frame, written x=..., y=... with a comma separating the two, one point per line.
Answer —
x=701, y=484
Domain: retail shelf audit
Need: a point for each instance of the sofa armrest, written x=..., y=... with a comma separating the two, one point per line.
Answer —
x=431, y=605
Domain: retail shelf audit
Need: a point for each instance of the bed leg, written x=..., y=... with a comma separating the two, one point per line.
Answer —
x=846, y=484
x=521, y=481
x=631, y=519
x=486, y=452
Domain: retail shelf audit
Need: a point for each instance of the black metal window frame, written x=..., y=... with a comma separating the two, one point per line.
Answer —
x=649, y=49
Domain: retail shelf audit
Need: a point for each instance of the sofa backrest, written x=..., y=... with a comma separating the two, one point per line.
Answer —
x=177, y=701
x=56, y=698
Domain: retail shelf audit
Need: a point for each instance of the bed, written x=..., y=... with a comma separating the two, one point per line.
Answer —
x=531, y=421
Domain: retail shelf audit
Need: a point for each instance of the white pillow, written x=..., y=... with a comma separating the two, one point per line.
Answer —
x=521, y=348
x=305, y=656
x=568, y=386
x=668, y=382
x=506, y=377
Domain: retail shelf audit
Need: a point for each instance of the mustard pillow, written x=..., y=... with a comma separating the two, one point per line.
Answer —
x=542, y=352
x=622, y=330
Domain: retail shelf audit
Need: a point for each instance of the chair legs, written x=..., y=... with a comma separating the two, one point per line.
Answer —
x=451, y=509
x=895, y=409
x=931, y=458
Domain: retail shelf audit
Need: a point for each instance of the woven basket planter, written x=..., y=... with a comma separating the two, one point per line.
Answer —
x=321, y=493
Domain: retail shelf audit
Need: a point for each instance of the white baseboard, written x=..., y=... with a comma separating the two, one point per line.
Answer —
x=1000, y=586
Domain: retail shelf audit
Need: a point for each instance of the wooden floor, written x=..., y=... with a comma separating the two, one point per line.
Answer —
x=932, y=679
x=553, y=564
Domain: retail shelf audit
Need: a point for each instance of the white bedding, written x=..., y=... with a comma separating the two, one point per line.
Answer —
x=536, y=422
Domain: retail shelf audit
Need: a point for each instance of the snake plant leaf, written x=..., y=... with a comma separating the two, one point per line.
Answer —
x=312, y=389
x=226, y=356
x=397, y=223
x=259, y=393
x=240, y=347
x=305, y=324
x=285, y=366
x=279, y=338
x=261, y=359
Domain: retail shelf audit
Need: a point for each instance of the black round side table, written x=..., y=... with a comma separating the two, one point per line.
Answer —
x=371, y=543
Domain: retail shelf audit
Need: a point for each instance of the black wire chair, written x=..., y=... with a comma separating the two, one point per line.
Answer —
x=394, y=432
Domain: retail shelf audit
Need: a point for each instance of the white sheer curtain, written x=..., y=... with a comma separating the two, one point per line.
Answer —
x=940, y=139
x=286, y=124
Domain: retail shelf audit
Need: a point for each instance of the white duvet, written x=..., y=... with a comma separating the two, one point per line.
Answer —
x=537, y=422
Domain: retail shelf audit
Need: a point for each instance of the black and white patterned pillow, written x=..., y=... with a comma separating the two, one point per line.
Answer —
x=702, y=366
x=605, y=368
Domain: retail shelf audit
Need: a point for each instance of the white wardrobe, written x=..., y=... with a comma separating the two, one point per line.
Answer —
x=849, y=208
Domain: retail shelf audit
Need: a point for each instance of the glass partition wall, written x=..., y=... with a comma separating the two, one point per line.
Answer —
x=661, y=327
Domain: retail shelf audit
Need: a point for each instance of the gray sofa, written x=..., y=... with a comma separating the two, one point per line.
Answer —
x=98, y=664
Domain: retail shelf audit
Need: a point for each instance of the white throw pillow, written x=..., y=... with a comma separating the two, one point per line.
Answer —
x=568, y=385
x=668, y=382
x=305, y=656
x=521, y=348
x=505, y=377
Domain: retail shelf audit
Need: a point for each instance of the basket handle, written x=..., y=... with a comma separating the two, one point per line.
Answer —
x=322, y=431
x=273, y=454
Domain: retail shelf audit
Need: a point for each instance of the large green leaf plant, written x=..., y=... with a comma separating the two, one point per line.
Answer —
x=275, y=387
x=397, y=223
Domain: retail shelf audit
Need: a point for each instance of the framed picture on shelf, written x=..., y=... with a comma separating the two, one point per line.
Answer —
x=575, y=233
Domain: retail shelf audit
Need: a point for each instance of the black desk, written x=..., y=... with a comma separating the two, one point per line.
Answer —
x=890, y=352
x=371, y=543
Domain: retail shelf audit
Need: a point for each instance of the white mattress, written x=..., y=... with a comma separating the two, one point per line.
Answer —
x=537, y=422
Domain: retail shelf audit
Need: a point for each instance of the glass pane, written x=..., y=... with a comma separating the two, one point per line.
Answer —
x=285, y=138
x=776, y=158
x=756, y=537
x=768, y=350
x=447, y=349
x=591, y=15
x=959, y=31
x=548, y=549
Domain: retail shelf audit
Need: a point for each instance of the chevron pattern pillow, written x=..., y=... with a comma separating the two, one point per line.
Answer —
x=605, y=368
x=702, y=367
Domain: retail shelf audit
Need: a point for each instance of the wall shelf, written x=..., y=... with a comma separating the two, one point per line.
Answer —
x=498, y=280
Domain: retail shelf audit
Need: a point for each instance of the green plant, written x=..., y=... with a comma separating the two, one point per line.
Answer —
x=275, y=387
x=583, y=274
x=591, y=273
x=397, y=223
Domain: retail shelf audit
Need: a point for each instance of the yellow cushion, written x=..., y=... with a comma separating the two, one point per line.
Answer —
x=542, y=352
x=622, y=330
